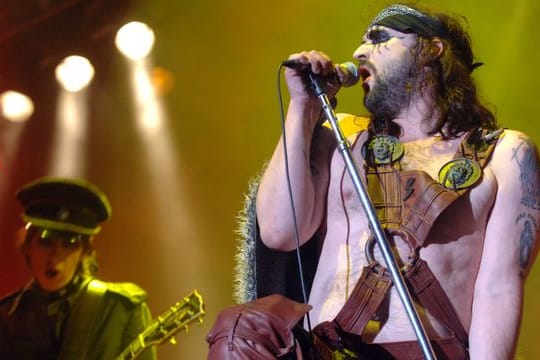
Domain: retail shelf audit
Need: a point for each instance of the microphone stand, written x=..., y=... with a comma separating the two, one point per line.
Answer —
x=375, y=225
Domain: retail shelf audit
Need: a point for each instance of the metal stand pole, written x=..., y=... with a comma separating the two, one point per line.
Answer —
x=375, y=225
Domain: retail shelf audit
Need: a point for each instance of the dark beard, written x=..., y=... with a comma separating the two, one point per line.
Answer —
x=391, y=93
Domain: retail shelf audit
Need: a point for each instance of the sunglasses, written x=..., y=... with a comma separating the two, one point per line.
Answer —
x=46, y=237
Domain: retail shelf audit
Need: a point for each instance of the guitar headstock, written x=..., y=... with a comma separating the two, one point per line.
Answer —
x=178, y=317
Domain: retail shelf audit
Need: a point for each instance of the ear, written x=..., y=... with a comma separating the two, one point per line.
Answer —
x=437, y=47
x=88, y=245
x=25, y=252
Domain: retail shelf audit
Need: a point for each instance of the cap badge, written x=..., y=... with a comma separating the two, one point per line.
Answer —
x=63, y=214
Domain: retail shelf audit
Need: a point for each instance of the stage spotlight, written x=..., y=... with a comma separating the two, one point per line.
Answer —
x=135, y=40
x=74, y=73
x=15, y=106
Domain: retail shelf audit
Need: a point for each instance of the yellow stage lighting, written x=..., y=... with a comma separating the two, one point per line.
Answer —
x=135, y=40
x=74, y=73
x=15, y=106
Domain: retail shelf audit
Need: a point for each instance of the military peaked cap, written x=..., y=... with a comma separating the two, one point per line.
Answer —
x=64, y=204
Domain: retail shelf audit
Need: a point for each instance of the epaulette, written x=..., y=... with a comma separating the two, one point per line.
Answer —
x=10, y=297
x=14, y=298
x=128, y=290
x=350, y=124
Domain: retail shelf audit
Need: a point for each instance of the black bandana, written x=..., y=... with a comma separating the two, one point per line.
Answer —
x=408, y=20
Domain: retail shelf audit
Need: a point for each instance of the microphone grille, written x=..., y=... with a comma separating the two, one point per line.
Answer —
x=351, y=72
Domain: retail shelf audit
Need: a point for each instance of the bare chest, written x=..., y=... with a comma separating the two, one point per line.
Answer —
x=455, y=241
x=429, y=156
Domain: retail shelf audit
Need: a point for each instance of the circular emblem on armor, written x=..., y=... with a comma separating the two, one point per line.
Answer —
x=383, y=149
x=460, y=173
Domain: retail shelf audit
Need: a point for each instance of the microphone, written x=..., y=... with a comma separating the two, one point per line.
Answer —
x=348, y=68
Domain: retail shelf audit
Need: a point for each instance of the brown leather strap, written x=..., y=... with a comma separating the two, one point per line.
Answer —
x=448, y=348
x=365, y=299
x=479, y=145
x=383, y=187
x=372, y=287
x=431, y=295
x=427, y=200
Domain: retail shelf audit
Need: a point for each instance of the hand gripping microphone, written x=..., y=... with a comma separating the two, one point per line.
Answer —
x=349, y=68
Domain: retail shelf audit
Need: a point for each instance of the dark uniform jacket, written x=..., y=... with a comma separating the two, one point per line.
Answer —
x=33, y=322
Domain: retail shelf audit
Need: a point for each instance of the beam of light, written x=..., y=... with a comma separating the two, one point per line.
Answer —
x=74, y=73
x=15, y=106
x=177, y=232
x=10, y=139
x=149, y=109
x=69, y=157
x=135, y=40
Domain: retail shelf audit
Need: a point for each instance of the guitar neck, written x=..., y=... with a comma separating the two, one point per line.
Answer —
x=165, y=326
x=132, y=351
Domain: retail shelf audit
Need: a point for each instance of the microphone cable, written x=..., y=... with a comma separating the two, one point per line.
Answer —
x=291, y=200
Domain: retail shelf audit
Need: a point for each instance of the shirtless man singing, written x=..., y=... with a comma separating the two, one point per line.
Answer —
x=459, y=198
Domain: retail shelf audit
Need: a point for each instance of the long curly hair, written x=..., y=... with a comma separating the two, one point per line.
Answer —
x=457, y=104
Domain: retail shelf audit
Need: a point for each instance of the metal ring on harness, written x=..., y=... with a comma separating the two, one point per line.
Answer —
x=369, y=248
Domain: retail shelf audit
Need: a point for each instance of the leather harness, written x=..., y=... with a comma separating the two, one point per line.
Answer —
x=407, y=204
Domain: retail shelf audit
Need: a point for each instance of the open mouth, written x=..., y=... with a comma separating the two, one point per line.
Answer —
x=51, y=273
x=365, y=74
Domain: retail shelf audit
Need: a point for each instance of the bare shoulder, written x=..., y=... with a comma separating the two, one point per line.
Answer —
x=515, y=151
x=514, y=140
x=517, y=168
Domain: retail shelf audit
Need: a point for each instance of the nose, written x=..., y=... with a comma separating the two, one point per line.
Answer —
x=362, y=52
x=56, y=250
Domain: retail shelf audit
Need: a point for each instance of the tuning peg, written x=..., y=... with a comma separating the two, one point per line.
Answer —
x=172, y=340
